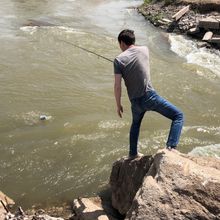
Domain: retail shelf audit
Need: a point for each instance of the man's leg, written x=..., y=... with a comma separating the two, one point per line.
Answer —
x=170, y=111
x=134, y=131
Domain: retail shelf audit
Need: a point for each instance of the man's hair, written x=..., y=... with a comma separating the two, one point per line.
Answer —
x=127, y=36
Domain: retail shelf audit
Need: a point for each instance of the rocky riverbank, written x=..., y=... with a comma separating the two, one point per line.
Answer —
x=8, y=210
x=175, y=186
x=167, y=185
x=162, y=13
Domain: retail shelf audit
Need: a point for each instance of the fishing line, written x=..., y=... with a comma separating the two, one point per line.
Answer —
x=88, y=51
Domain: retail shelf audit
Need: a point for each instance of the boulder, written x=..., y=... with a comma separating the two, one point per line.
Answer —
x=174, y=186
x=125, y=180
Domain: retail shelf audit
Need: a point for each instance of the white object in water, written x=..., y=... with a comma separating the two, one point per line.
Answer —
x=44, y=117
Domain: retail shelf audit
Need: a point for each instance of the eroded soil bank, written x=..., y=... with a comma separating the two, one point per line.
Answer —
x=161, y=14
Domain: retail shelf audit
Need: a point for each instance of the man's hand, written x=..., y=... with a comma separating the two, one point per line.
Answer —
x=120, y=111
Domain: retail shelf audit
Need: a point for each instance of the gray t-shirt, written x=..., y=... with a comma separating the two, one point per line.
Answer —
x=133, y=65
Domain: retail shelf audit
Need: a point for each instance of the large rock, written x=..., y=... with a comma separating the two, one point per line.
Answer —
x=176, y=186
x=125, y=180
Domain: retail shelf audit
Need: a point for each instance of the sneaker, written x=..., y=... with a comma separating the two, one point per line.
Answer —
x=138, y=155
x=171, y=148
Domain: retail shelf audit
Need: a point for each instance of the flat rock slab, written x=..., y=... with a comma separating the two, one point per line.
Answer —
x=208, y=36
x=89, y=209
x=215, y=39
x=181, y=13
x=209, y=23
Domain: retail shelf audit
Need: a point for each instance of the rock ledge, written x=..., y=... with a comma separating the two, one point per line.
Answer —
x=174, y=186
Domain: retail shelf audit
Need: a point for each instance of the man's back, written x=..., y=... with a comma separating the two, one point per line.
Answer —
x=133, y=65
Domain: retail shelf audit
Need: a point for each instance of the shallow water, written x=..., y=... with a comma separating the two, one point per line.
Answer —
x=71, y=154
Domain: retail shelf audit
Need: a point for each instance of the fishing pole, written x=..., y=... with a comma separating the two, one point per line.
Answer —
x=89, y=51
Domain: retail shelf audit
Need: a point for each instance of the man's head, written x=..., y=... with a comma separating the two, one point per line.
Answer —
x=126, y=38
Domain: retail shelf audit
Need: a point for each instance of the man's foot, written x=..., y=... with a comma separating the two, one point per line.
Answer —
x=171, y=148
x=132, y=157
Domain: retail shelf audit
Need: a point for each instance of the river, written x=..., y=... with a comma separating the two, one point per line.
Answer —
x=71, y=153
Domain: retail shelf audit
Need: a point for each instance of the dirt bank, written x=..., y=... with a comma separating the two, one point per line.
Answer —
x=161, y=14
x=202, y=6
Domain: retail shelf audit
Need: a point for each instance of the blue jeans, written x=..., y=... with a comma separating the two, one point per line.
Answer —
x=151, y=101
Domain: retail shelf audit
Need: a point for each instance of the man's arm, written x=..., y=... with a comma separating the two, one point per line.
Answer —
x=117, y=91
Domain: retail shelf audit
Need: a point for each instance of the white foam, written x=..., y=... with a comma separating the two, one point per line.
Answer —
x=201, y=56
x=33, y=29
x=29, y=29
x=71, y=30
x=89, y=137
x=202, y=129
x=113, y=124
x=9, y=16
x=209, y=150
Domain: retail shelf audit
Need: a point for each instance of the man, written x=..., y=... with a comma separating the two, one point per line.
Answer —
x=133, y=66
